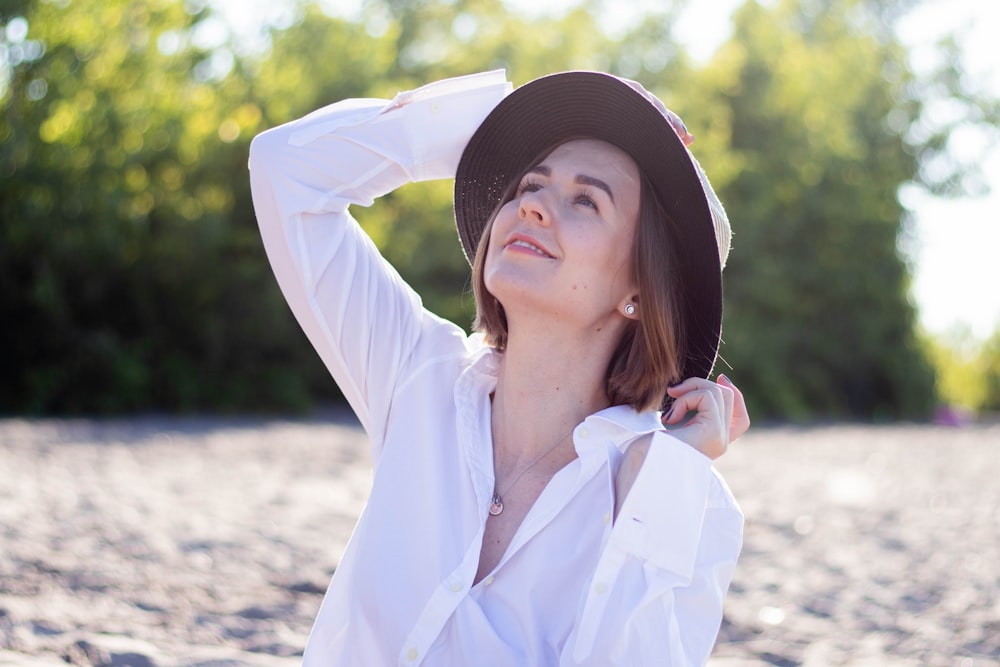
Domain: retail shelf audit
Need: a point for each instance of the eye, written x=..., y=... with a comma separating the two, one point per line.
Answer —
x=528, y=185
x=585, y=199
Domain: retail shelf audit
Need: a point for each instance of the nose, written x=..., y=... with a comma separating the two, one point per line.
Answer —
x=532, y=207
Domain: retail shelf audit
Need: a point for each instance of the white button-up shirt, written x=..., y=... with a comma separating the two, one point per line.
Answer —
x=573, y=588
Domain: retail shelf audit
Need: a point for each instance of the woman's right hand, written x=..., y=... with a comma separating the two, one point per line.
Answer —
x=675, y=121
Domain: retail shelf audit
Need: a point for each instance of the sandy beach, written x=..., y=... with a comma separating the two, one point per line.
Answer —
x=163, y=541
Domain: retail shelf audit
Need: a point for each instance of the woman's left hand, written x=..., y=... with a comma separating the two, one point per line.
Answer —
x=720, y=414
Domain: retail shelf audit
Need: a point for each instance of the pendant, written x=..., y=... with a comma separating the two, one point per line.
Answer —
x=496, y=505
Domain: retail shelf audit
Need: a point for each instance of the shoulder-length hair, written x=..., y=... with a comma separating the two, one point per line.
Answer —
x=649, y=355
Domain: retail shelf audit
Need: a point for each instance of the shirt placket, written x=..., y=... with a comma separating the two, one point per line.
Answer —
x=442, y=603
x=591, y=452
x=472, y=424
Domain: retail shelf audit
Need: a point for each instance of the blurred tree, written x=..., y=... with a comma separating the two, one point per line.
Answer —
x=960, y=368
x=989, y=366
x=816, y=100
x=130, y=269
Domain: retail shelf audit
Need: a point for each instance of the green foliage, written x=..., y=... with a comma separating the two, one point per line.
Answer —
x=131, y=267
x=989, y=366
x=818, y=321
x=958, y=361
x=130, y=264
x=968, y=369
x=413, y=226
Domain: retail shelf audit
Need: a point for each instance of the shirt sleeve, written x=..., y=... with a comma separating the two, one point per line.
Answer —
x=657, y=592
x=357, y=312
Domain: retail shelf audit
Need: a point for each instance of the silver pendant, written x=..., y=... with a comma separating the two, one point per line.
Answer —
x=496, y=505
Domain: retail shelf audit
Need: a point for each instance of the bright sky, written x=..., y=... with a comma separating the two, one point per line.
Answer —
x=955, y=248
x=955, y=251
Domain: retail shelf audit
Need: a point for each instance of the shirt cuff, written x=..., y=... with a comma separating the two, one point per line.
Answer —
x=661, y=519
x=442, y=117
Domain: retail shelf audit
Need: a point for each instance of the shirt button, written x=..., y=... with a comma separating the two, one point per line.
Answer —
x=455, y=587
x=412, y=654
x=583, y=432
x=601, y=588
x=488, y=580
x=607, y=517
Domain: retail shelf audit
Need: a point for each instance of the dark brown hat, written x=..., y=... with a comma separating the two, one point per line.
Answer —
x=571, y=105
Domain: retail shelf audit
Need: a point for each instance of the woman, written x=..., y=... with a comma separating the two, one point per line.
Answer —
x=527, y=507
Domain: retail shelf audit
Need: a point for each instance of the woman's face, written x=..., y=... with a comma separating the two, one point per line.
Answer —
x=563, y=244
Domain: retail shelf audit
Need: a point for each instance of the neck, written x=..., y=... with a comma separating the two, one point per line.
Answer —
x=547, y=383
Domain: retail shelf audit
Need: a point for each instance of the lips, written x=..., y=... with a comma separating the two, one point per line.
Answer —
x=529, y=244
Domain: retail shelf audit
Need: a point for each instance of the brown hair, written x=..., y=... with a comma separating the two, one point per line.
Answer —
x=650, y=354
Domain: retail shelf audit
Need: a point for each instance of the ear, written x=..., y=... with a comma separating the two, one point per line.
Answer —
x=630, y=307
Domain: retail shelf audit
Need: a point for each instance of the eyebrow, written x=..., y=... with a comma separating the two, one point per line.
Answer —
x=582, y=179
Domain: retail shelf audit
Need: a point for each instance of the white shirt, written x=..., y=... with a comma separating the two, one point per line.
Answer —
x=571, y=589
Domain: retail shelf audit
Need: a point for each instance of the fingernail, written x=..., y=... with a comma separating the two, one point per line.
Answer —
x=725, y=378
x=676, y=121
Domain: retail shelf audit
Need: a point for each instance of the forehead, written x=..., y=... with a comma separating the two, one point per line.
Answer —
x=594, y=157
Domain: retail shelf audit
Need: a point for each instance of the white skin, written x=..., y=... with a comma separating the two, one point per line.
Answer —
x=559, y=261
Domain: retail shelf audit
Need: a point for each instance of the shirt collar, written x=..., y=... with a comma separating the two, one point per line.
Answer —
x=622, y=423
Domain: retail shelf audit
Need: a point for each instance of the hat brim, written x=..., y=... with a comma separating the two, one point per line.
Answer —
x=571, y=105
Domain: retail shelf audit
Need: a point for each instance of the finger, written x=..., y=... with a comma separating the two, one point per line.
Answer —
x=684, y=402
x=690, y=384
x=679, y=127
x=728, y=397
x=707, y=431
x=704, y=401
x=678, y=410
x=741, y=417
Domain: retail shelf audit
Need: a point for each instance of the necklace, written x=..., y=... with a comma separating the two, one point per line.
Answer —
x=496, y=503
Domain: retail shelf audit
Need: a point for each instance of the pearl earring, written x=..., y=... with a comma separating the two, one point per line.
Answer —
x=629, y=309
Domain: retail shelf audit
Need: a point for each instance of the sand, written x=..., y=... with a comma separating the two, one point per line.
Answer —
x=162, y=541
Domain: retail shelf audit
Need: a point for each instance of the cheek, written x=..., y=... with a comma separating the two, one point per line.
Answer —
x=611, y=252
x=624, y=261
x=506, y=216
x=498, y=230
x=490, y=261
x=614, y=260
x=491, y=253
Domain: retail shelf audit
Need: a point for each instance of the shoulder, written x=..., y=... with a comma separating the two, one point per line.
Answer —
x=720, y=496
x=675, y=469
x=443, y=352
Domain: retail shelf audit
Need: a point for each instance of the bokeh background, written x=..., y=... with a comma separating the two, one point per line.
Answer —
x=178, y=478
x=843, y=136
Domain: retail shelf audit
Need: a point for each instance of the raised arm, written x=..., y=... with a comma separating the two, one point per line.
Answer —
x=361, y=317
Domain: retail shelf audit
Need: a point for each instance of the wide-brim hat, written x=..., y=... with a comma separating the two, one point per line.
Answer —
x=573, y=105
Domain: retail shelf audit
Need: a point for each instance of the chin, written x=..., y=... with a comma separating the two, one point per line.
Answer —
x=519, y=292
